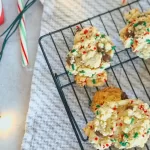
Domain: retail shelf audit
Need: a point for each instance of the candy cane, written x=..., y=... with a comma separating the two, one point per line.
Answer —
x=1, y=13
x=23, y=35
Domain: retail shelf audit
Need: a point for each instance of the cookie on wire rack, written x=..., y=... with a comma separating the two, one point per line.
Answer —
x=97, y=81
x=107, y=94
x=123, y=124
x=91, y=54
x=136, y=33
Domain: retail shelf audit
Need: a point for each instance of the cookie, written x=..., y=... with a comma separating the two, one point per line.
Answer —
x=136, y=33
x=99, y=80
x=90, y=56
x=123, y=124
x=108, y=94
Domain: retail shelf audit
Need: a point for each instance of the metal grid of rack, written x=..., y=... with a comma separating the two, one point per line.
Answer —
x=122, y=61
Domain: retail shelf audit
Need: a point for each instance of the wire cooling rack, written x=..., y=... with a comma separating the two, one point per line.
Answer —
x=127, y=71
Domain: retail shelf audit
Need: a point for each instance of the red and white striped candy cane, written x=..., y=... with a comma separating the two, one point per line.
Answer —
x=23, y=36
x=1, y=13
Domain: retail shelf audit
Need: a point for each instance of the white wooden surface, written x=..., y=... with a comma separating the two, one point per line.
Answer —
x=15, y=81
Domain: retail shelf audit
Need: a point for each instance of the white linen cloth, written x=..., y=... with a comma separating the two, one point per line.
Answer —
x=47, y=124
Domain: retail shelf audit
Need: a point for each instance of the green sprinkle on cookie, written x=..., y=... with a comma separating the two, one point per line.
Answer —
x=113, y=140
x=69, y=73
x=97, y=112
x=126, y=135
x=103, y=36
x=132, y=120
x=136, y=135
x=123, y=143
x=148, y=131
x=148, y=41
x=113, y=47
x=93, y=75
x=144, y=23
x=135, y=25
x=73, y=51
x=73, y=67
x=131, y=42
x=98, y=106
x=94, y=81
x=82, y=71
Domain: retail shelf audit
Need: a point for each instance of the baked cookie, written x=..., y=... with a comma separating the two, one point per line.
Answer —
x=97, y=80
x=108, y=94
x=123, y=124
x=136, y=33
x=90, y=56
